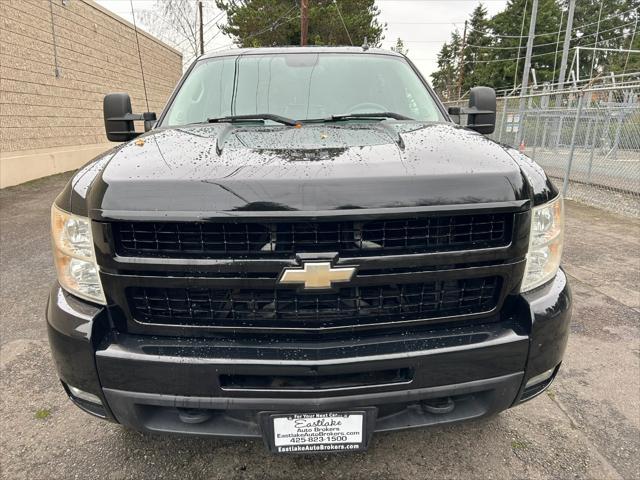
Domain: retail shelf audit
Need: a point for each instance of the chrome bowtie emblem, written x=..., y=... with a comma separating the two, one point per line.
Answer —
x=316, y=275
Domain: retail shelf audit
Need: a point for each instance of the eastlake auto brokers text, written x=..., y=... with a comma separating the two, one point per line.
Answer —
x=317, y=431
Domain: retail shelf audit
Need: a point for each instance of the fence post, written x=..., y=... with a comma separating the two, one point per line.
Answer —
x=543, y=142
x=592, y=148
x=535, y=136
x=616, y=138
x=504, y=114
x=559, y=132
x=565, y=184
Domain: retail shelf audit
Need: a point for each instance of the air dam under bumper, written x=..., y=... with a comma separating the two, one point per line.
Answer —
x=219, y=386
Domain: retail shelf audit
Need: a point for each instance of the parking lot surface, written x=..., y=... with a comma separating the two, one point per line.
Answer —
x=586, y=426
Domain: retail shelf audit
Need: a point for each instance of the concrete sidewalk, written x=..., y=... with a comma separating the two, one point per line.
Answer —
x=586, y=426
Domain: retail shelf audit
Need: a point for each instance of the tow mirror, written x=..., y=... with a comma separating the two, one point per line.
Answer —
x=483, y=101
x=481, y=112
x=118, y=119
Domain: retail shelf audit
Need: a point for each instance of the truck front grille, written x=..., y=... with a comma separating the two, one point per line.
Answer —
x=280, y=308
x=285, y=238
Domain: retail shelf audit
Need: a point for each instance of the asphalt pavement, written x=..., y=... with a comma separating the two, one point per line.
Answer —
x=586, y=426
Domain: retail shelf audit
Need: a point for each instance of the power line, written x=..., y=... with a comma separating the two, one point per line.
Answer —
x=518, y=48
x=537, y=54
x=177, y=45
x=494, y=47
x=212, y=24
x=209, y=28
x=163, y=20
x=424, y=41
x=555, y=55
x=144, y=83
x=566, y=44
x=630, y=45
x=343, y=24
x=427, y=23
x=606, y=18
x=215, y=18
x=186, y=22
x=461, y=76
x=273, y=26
x=513, y=59
x=201, y=28
x=515, y=75
x=593, y=59
x=607, y=30
x=438, y=1
x=304, y=22
x=209, y=40
x=578, y=28
x=527, y=65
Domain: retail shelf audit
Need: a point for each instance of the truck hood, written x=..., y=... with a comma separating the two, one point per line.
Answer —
x=216, y=169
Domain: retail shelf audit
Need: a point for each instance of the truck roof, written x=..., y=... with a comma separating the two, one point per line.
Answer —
x=294, y=49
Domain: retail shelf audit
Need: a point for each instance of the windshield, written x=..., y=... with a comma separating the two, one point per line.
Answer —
x=301, y=86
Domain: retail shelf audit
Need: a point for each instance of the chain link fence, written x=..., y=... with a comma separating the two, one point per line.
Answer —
x=587, y=140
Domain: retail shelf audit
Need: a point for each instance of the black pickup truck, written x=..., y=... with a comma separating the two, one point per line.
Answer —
x=304, y=247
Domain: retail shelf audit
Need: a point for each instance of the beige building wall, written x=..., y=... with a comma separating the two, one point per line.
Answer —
x=57, y=61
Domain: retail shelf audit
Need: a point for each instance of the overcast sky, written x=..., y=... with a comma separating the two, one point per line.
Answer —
x=424, y=25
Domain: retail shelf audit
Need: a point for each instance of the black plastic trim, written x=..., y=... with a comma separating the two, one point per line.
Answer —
x=275, y=215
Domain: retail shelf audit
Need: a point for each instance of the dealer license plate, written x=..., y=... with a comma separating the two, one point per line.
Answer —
x=318, y=432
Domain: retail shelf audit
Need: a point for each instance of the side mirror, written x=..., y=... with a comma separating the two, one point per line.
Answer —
x=482, y=110
x=118, y=119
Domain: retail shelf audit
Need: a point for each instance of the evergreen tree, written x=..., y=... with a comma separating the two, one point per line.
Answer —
x=507, y=61
x=477, y=49
x=446, y=77
x=617, y=22
x=399, y=47
x=258, y=23
x=496, y=47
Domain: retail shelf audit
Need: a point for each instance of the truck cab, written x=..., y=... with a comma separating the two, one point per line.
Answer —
x=305, y=248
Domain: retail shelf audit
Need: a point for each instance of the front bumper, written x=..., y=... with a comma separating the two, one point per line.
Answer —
x=148, y=383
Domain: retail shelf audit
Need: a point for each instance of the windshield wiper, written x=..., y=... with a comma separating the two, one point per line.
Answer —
x=253, y=117
x=348, y=116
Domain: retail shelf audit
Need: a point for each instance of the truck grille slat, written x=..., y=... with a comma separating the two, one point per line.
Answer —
x=379, y=237
x=279, y=308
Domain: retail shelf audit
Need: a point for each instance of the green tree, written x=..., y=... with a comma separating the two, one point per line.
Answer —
x=399, y=47
x=477, y=49
x=627, y=62
x=494, y=51
x=445, y=78
x=495, y=48
x=506, y=63
x=615, y=31
x=258, y=23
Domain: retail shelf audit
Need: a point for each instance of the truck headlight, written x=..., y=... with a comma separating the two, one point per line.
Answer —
x=545, y=244
x=74, y=255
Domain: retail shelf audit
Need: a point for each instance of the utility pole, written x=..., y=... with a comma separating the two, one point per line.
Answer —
x=304, y=22
x=461, y=61
x=527, y=69
x=562, y=78
x=201, y=29
x=593, y=55
x=527, y=60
